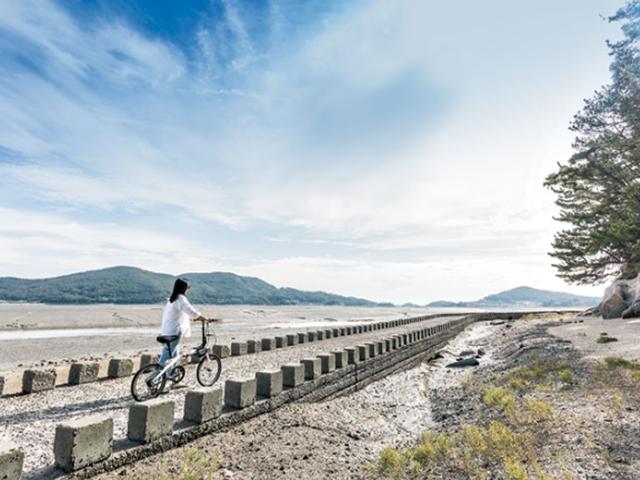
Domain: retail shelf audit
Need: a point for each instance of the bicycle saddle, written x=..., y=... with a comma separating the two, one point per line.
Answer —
x=167, y=338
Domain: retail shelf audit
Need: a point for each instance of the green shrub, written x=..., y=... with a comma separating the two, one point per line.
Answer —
x=535, y=411
x=391, y=463
x=515, y=470
x=622, y=363
x=501, y=397
x=565, y=376
x=606, y=339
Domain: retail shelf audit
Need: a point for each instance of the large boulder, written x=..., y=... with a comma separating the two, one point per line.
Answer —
x=621, y=299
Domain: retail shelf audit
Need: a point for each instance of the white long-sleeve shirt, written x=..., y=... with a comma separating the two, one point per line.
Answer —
x=176, y=317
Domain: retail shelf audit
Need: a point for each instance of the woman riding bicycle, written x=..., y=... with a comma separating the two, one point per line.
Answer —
x=152, y=379
x=176, y=319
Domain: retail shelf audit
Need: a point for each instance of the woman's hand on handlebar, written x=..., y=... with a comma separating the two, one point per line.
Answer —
x=205, y=319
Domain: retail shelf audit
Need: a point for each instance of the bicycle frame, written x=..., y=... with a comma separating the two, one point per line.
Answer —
x=196, y=350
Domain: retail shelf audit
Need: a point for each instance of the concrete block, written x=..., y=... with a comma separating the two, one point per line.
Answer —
x=311, y=336
x=120, y=367
x=222, y=351
x=83, y=373
x=353, y=356
x=302, y=338
x=239, y=348
x=405, y=339
x=312, y=368
x=320, y=334
x=387, y=345
x=335, y=332
x=83, y=442
x=360, y=328
x=202, y=405
x=348, y=330
x=363, y=352
x=268, y=344
x=38, y=380
x=240, y=393
x=292, y=339
x=292, y=375
x=327, y=362
x=149, y=359
x=11, y=461
x=150, y=420
x=379, y=348
x=280, y=342
x=269, y=383
x=341, y=358
x=328, y=334
x=254, y=346
x=371, y=349
x=343, y=331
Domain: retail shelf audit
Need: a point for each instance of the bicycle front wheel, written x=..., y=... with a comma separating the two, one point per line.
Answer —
x=148, y=383
x=208, y=371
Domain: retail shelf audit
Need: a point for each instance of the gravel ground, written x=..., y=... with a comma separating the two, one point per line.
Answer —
x=30, y=420
x=332, y=439
x=570, y=416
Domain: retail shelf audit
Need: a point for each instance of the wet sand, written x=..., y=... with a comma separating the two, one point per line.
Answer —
x=240, y=322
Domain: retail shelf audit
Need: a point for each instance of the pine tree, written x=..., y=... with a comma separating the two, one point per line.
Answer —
x=598, y=189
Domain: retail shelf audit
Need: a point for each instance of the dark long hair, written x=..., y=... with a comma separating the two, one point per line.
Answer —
x=179, y=288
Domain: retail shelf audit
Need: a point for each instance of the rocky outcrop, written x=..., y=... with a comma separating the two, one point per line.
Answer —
x=621, y=299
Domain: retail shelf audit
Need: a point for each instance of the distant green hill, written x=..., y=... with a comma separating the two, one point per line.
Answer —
x=134, y=285
x=526, y=297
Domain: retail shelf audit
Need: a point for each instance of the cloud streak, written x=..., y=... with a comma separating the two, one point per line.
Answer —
x=291, y=137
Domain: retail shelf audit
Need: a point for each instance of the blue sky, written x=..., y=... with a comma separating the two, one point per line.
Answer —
x=390, y=150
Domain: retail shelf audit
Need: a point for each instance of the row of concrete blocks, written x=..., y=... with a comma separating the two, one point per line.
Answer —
x=265, y=344
x=80, y=443
x=34, y=380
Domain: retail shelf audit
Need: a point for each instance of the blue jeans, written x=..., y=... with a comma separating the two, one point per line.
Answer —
x=165, y=353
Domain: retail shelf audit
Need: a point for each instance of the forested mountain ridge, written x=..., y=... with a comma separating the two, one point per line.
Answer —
x=130, y=285
x=525, y=297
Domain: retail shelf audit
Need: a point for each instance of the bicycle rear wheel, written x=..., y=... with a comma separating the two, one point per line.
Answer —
x=147, y=383
x=208, y=371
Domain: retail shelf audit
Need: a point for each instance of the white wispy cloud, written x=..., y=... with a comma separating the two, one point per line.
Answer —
x=381, y=139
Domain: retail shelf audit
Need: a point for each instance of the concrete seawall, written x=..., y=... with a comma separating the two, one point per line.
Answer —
x=338, y=382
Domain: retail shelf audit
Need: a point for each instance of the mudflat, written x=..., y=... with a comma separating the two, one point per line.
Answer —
x=43, y=335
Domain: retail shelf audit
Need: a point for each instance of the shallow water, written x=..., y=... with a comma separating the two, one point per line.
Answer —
x=14, y=316
x=74, y=332
x=116, y=331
